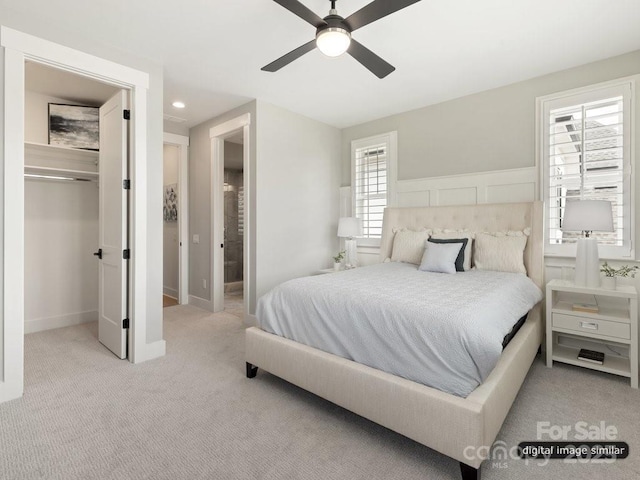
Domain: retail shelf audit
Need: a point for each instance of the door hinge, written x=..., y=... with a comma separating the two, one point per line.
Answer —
x=126, y=114
x=125, y=323
x=126, y=184
x=126, y=254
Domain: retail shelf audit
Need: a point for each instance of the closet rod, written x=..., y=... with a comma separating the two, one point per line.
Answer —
x=56, y=177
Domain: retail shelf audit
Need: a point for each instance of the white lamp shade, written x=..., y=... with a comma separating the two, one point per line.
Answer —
x=588, y=215
x=349, y=227
x=333, y=41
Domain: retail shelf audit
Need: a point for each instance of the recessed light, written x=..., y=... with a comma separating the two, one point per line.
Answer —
x=178, y=104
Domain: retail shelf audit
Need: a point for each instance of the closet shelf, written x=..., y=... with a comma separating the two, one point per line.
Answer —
x=58, y=151
x=52, y=159
x=60, y=172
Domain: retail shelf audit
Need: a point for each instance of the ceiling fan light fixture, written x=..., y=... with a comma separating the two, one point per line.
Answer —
x=333, y=41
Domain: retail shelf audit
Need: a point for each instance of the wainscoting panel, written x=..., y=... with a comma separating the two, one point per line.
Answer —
x=517, y=185
x=503, y=186
x=516, y=192
x=457, y=196
x=413, y=199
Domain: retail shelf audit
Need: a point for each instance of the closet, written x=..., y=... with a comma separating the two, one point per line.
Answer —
x=61, y=206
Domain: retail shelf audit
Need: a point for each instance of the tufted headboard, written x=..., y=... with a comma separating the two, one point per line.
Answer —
x=475, y=218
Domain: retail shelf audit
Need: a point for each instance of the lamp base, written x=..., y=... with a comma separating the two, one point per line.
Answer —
x=351, y=259
x=587, y=263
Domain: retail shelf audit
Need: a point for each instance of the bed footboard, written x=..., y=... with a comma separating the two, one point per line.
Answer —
x=416, y=411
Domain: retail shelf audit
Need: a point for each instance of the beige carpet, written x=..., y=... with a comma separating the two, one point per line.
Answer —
x=194, y=415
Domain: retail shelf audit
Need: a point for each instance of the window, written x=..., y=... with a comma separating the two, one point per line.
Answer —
x=586, y=154
x=373, y=173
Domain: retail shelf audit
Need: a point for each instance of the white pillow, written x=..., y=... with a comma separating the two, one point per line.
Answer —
x=500, y=253
x=408, y=245
x=440, y=257
x=445, y=235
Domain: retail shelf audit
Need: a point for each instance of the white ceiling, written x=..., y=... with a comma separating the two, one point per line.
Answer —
x=68, y=86
x=212, y=50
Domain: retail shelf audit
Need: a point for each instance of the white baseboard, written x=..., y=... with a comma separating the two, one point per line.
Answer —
x=10, y=391
x=171, y=292
x=201, y=303
x=152, y=350
x=48, y=323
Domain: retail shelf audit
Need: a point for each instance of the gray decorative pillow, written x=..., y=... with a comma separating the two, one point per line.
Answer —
x=460, y=258
x=457, y=235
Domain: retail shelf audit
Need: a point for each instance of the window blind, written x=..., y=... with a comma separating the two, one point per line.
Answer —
x=370, y=197
x=586, y=149
x=586, y=161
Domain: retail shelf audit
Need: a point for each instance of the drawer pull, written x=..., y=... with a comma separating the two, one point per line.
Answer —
x=589, y=325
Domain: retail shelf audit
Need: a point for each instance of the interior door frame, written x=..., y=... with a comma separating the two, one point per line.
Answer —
x=217, y=135
x=19, y=47
x=182, y=142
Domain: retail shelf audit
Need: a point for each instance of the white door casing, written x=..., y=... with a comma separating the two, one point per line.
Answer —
x=19, y=47
x=113, y=231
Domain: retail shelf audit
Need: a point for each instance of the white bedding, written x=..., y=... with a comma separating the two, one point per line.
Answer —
x=441, y=330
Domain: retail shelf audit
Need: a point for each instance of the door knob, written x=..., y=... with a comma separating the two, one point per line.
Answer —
x=98, y=253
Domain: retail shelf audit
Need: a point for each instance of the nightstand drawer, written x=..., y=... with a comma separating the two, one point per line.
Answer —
x=591, y=326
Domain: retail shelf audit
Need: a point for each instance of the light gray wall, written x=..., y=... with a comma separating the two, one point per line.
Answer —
x=298, y=179
x=293, y=183
x=492, y=130
x=200, y=196
x=175, y=128
x=66, y=34
x=233, y=155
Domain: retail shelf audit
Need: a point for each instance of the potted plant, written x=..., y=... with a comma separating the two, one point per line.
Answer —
x=337, y=260
x=611, y=273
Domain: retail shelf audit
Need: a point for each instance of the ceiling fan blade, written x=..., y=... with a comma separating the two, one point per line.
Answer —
x=290, y=57
x=303, y=12
x=375, y=11
x=370, y=60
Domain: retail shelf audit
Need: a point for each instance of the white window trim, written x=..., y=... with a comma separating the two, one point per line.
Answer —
x=627, y=251
x=391, y=139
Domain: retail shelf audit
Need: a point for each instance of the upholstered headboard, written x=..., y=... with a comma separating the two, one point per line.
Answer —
x=475, y=218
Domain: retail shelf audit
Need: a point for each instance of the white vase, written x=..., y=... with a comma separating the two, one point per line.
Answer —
x=609, y=283
x=336, y=266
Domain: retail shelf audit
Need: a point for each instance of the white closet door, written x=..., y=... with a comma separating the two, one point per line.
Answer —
x=113, y=167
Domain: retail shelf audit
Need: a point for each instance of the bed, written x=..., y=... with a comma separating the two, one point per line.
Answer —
x=463, y=428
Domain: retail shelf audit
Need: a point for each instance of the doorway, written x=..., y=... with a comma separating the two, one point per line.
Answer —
x=61, y=202
x=175, y=220
x=76, y=158
x=233, y=136
x=19, y=48
x=234, y=208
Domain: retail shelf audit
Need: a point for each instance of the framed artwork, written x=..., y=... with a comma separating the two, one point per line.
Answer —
x=170, y=209
x=74, y=126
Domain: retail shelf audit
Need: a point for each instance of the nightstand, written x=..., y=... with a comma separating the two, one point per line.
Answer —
x=612, y=329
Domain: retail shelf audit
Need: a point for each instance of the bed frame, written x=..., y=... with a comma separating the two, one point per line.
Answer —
x=461, y=428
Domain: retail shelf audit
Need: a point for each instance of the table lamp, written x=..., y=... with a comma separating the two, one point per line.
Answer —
x=587, y=216
x=350, y=227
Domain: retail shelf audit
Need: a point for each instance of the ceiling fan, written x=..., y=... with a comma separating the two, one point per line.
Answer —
x=333, y=33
